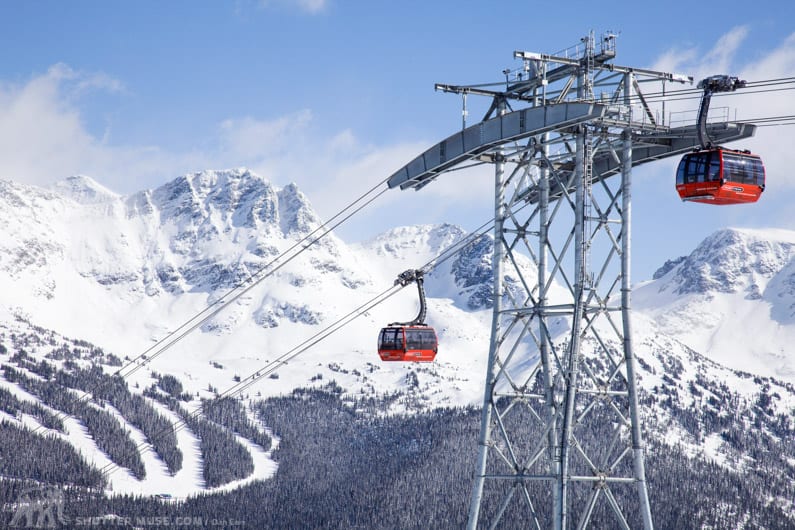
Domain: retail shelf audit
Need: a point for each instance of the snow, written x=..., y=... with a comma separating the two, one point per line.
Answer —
x=84, y=190
x=108, y=251
x=189, y=479
x=264, y=466
x=110, y=260
x=712, y=445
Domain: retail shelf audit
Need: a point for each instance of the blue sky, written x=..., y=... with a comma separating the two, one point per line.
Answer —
x=336, y=94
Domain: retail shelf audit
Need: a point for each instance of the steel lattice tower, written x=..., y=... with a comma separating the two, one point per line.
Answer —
x=560, y=440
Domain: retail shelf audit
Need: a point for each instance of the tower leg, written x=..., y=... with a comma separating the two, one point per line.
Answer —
x=638, y=448
x=488, y=396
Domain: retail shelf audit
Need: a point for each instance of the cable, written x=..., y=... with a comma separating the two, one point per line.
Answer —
x=696, y=93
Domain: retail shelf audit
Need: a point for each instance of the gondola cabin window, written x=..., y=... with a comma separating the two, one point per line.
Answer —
x=420, y=339
x=391, y=339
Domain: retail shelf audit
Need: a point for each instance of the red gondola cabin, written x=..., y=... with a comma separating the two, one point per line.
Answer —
x=720, y=176
x=407, y=343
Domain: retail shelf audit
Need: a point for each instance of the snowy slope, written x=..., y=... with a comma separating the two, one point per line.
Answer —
x=39, y=343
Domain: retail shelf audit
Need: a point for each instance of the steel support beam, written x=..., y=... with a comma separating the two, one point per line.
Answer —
x=497, y=259
x=638, y=449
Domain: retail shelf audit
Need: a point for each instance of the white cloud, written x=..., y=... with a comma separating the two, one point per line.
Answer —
x=336, y=169
x=699, y=64
x=82, y=82
x=672, y=60
x=288, y=149
x=774, y=144
x=721, y=56
x=312, y=6
x=43, y=136
x=307, y=6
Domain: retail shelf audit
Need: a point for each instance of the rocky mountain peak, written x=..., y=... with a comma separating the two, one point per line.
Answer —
x=728, y=261
x=295, y=211
x=234, y=198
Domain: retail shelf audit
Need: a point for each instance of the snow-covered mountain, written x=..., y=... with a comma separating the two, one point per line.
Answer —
x=81, y=261
x=124, y=272
x=732, y=299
